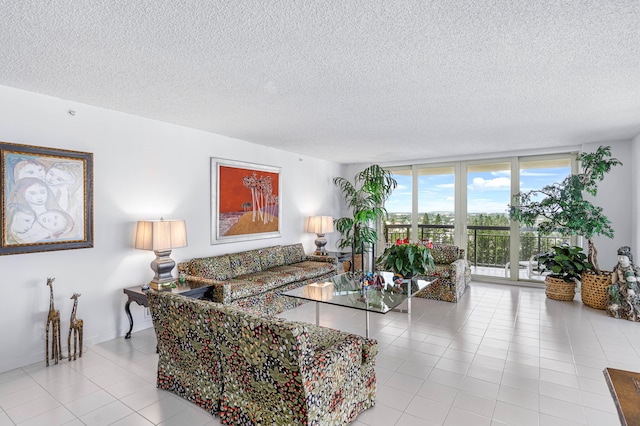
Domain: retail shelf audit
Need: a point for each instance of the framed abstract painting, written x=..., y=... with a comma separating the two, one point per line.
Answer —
x=47, y=199
x=245, y=201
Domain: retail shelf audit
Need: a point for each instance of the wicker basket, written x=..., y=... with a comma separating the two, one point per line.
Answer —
x=559, y=289
x=594, y=289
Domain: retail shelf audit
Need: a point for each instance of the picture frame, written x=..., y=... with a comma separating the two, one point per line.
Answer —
x=46, y=197
x=245, y=201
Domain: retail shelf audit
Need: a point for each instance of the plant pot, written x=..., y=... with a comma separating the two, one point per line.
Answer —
x=594, y=289
x=357, y=260
x=559, y=289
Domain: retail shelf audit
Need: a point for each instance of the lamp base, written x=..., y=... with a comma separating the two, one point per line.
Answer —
x=162, y=266
x=321, y=242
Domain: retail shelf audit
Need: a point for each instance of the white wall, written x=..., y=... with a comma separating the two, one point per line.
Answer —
x=635, y=194
x=616, y=197
x=143, y=169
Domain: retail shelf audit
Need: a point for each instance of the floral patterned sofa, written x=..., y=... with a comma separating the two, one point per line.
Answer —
x=453, y=272
x=251, y=369
x=254, y=279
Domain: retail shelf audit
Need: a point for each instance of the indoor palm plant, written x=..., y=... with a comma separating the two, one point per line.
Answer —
x=364, y=198
x=406, y=259
x=566, y=265
x=561, y=207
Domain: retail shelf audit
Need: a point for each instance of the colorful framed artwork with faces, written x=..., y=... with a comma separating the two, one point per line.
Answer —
x=47, y=199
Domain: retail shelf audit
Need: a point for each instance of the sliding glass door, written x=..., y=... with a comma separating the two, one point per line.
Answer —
x=429, y=212
x=488, y=194
x=536, y=173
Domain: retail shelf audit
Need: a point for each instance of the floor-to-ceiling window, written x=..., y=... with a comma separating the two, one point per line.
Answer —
x=536, y=173
x=399, y=206
x=488, y=194
x=466, y=203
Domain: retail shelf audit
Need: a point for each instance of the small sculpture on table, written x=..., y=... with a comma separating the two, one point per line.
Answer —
x=378, y=282
x=370, y=281
x=75, y=326
x=623, y=295
x=53, y=321
x=398, y=281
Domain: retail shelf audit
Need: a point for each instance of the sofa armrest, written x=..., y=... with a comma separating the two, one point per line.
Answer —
x=369, y=351
x=336, y=379
x=218, y=291
x=317, y=258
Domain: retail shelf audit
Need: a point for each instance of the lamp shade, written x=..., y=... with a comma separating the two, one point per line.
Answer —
x=161, y=234
x=319, y=224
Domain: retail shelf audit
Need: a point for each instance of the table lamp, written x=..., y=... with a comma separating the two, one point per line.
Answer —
x=319, y=225
x=161, y=236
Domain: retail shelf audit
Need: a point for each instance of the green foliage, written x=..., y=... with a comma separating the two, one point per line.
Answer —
x=364, y=198
x=561, y=207
x=566, y=262
x=406, y=259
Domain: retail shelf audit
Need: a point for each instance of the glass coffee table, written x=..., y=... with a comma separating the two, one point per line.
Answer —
x=346, y=290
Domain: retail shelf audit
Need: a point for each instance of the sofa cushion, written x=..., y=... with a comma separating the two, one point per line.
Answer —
x=293, y=253
x=213, y=268
x=297, y=274
x=245, y=262
x=445, y=253
x=259, y=282
x=314, y=269
x=271, y=256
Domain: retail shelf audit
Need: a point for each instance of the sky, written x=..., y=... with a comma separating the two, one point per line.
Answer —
x=488, y=192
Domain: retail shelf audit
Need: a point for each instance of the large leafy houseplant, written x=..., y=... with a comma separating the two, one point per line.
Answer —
x=561, y=207
x=565, y=262
x=406, y=259
x=364, y=199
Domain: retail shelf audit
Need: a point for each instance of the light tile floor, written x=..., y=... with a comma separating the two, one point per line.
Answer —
x=503, y=355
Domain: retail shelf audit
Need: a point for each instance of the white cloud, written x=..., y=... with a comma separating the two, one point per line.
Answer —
x=497, y=184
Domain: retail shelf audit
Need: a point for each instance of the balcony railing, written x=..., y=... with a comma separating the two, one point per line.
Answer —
x=488, y=246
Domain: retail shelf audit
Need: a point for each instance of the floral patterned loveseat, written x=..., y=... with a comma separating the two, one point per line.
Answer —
x=254, y=279
x=453, y=272
x=251, y=369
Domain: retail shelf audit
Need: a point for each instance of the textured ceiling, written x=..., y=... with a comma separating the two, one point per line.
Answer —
x=349, y=81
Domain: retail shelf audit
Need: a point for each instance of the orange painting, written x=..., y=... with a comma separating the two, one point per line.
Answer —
x=248, y=201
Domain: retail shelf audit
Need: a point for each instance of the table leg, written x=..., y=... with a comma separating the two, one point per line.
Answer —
x=404, y=311
x=317, y=313
x=367, y=324
x=127, y=310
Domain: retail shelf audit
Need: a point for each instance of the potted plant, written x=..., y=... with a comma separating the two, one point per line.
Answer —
x=365, y=199
x=561, y=207
x=407, y=259
x=566, y=264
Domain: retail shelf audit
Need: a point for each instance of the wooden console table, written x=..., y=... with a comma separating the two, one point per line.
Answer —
x=625, y=390
x=138, y=295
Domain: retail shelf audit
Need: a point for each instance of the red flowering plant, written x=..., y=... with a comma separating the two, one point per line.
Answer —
x=406, y=258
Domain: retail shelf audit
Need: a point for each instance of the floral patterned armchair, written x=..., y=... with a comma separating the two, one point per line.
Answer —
x=453, y=272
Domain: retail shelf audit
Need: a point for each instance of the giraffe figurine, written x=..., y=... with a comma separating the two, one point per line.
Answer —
x=75, y=326
x=53, y=321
